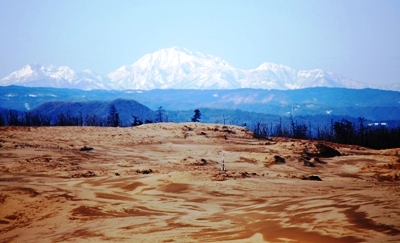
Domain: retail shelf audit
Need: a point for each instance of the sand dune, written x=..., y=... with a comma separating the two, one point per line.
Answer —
x=162, y=183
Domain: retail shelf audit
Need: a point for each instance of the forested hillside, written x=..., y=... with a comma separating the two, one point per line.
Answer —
x=368, y=103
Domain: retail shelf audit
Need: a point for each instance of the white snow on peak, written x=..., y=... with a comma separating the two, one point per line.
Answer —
x=180, y=68
x=175, y=57
x=273, y=67
x=315, y=73
x=37, y=75
x=36, y=71
x=167, y=68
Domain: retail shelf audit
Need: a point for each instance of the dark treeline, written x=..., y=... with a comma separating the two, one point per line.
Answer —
x=376, y=136
x=35, y=118
x=16, y=118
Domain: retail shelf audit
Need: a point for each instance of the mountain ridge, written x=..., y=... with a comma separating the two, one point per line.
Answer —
x=369, y=103
x=180, y=68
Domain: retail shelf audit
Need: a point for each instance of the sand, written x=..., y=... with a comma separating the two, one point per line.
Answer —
x=162, y=183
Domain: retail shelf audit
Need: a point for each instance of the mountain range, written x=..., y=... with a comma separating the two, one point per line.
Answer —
x=179, y=68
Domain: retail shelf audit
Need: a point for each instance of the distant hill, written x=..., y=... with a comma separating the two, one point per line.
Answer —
x=125, y=108
x=95, y=113
x=371, y=104
x=129, y=108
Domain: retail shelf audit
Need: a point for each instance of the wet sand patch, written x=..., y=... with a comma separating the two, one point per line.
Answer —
x=132, y=186
x=80, y=234
x=360, y=220
x=143, y=211
x=175, y=188
x=86, y=211
x=113, y=196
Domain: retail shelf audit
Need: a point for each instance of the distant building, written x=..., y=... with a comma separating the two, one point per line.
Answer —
x=378, y=125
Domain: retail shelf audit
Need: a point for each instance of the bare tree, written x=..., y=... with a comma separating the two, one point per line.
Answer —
x=136, y=121
x=160, y=114
x=113, y=117
x=224, y=118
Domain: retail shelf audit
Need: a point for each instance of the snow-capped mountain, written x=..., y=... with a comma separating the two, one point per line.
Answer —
x=274, y=76
x=179, y=68
x=36, y=75
x=171, y=68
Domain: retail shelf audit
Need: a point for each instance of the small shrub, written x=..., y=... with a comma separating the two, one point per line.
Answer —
x=279, y=159
x=86, y=148
x=326, y=151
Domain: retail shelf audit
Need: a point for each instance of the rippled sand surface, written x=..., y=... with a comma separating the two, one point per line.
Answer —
x=162, y=183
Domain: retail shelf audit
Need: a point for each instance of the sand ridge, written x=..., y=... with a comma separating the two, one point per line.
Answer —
x=162, y=183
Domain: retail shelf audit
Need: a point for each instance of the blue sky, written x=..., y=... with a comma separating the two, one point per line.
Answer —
x=359, y=39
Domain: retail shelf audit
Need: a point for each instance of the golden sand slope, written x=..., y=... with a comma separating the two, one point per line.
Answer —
x=162, y=183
